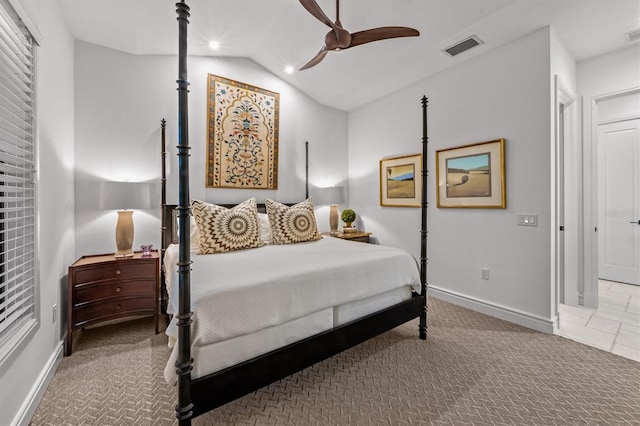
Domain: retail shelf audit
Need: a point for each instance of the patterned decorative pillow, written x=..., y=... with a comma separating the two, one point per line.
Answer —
x=222, y=230
x=293, y=224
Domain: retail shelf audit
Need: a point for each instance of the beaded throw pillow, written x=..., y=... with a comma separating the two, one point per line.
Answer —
x=223, y=230
x=295, y=224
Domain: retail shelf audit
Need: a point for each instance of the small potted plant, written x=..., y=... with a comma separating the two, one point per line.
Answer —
x=348, y=217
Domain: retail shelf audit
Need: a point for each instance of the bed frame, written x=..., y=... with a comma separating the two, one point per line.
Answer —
x=197, y=396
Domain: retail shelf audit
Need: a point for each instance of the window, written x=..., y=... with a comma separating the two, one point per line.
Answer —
x=17, y=181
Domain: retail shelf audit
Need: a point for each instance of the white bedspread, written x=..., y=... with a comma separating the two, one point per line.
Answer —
x=245, y=291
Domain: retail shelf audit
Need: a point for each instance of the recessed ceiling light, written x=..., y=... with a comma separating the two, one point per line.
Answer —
x=215, y=45
x=288, y=69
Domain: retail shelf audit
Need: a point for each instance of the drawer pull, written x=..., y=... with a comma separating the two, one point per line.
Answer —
x=118, y=306
x=118, y=290
x=118, y=272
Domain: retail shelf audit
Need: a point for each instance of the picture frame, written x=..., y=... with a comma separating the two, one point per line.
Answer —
x=472, y=176
x=401, y=181
x=242, y=135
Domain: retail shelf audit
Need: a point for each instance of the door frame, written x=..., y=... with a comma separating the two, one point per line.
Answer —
x=589, y=296
x=567, y=202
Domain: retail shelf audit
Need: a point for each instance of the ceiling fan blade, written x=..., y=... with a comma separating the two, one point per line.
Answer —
x=381, y=33
x=342, y=36
x=316, y=59
x=313, y=8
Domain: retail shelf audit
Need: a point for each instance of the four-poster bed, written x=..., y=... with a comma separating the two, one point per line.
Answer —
x=197, y=395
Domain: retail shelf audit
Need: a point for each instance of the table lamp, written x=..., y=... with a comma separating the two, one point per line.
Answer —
x=124, y=196
x=331, y=196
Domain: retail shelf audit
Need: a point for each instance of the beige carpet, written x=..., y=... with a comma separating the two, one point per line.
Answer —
x=473, y=369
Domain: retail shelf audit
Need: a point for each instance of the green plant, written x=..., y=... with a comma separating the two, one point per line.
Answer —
x=348, y=216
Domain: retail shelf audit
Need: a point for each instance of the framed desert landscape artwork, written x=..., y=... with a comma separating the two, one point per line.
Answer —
x=471, y=176
x=400, y=181
x=242, y=135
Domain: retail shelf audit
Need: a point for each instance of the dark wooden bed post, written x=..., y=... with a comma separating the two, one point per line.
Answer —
x=163, y=182
x=184, y=409
x=423, y=231
x=306, y=170
x=163, y=228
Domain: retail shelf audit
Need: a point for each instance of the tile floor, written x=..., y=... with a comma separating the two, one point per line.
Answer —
x=614, y=326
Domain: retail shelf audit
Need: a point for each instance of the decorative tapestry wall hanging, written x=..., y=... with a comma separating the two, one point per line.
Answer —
x=242, y=135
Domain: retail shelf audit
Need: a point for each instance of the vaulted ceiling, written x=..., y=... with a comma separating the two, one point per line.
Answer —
x=277, y=33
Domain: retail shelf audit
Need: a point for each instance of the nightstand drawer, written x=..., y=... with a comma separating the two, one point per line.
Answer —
x=117, y=270
x=359, y=236
x=115, y=288
x=363, y=239
x=101, y=311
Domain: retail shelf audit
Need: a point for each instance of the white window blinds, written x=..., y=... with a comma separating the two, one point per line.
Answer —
x=17, y=182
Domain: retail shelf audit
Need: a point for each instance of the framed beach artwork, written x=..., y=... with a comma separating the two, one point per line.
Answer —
x=471, y=176
x=242, y=135
x=400, y=181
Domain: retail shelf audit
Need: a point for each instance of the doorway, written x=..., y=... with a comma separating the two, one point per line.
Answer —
x=600, y=113
x=606, y=317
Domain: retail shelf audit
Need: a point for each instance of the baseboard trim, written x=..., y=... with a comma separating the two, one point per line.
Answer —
x=29, y=406
x=491, y=309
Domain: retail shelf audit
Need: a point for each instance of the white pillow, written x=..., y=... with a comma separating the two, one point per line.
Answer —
x=194, y=235
x=264, y=227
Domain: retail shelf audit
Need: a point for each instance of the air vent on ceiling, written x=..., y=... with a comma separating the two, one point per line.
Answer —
x=632, y=36
x=463, y=46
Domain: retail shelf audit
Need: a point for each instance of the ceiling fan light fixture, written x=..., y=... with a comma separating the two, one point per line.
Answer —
x=463, y=46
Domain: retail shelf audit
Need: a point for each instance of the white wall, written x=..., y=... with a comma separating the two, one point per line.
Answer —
x=120, y=99
x=596, y=77
x=502, y=94
x=19, y=378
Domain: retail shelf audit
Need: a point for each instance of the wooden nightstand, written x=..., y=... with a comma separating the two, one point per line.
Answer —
x=102, y=288
x=361, y=237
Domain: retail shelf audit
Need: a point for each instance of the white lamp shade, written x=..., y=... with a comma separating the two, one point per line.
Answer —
x=328, y=196
x=125, y=195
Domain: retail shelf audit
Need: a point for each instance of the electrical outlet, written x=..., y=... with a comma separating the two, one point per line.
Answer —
x=55, y=313
x=484, y=273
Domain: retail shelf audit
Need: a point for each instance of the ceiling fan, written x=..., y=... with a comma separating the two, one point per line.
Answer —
x=339, y=39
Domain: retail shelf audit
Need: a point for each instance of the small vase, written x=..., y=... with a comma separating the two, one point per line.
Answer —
x=146, y=250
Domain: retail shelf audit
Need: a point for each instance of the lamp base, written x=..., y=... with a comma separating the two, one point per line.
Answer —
x=123, y=255
x=333, y=219
x=124, y=234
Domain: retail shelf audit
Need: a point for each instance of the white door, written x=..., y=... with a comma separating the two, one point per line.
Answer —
x=619, y=202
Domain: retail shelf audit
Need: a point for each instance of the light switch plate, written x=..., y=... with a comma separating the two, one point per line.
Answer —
x=525, y=219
